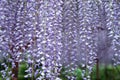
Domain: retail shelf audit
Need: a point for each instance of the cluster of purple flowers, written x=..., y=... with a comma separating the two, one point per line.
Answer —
x=50, y=34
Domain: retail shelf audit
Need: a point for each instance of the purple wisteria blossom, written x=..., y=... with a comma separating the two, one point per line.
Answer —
x=51, y=35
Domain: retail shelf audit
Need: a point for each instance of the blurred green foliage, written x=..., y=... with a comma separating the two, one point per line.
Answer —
x=105, y=73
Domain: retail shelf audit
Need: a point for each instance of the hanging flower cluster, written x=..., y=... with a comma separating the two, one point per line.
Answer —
x=45, y=53
x=87, y=18
x=51, y=34
x=70, y=37
x=13, y=30
x=115, y=30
